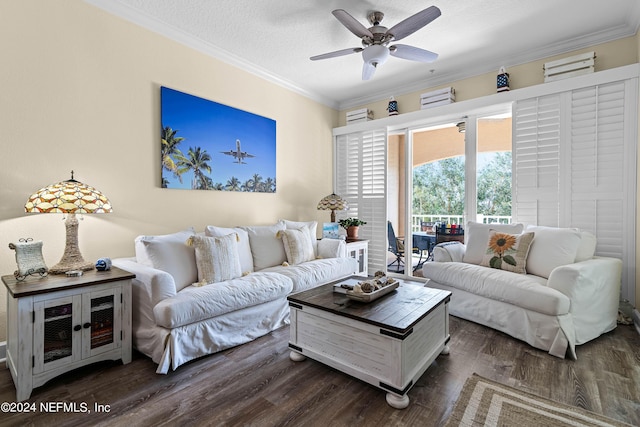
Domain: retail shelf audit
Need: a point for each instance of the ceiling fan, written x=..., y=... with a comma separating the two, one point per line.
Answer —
x=376, y=39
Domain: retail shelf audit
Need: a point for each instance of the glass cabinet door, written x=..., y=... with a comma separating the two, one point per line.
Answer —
x=56, y=336
x=102, y=322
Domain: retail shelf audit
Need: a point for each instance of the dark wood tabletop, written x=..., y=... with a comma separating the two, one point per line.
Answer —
x=34, y=285
x=399, y=310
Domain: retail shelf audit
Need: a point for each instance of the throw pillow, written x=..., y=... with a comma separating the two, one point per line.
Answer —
x=477, y=235
x=266, y=248
x=587, y=248
x=216, y=257
x=448, y=252
x=244, y=249
x=553, y=247
x=169, y=253
x=507, y=251
x=297, y=245
x=313, y=229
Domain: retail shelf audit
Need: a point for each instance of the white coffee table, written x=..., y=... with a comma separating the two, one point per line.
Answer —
x=388, y=343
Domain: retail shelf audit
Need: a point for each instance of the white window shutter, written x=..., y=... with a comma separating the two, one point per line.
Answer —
x=575, y=166
x=361, y=165
x=536, y=160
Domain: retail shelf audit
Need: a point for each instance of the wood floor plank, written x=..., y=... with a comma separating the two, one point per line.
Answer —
x=256, y=384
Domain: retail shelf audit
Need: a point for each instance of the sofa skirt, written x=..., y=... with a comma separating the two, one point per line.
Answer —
x=170, y=348
x=554, y=334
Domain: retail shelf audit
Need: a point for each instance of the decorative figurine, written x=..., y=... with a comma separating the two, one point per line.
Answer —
x=503, y=80
x=29, y=258
x=103, y=264
x=393, y=107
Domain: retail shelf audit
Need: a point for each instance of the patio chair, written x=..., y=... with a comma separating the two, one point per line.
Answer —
x=396, y=247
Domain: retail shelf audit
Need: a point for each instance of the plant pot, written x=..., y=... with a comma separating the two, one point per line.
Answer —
x=352, y=232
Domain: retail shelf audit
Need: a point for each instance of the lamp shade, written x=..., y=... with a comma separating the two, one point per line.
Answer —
x=69, y=197
x=334, y=203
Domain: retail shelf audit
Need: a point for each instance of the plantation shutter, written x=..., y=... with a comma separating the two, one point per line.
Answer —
x=361, y=160
x=536, y=161
x=575, y=166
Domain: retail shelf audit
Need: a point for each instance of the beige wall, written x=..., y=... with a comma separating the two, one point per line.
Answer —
x=80, y=90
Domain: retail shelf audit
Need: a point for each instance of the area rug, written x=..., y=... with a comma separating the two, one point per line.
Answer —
x=486, y=403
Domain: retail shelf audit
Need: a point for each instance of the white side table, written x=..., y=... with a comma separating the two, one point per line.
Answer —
x=359, y=250
x=59, y=323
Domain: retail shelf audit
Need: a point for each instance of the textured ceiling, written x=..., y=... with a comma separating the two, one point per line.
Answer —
x=275, y=38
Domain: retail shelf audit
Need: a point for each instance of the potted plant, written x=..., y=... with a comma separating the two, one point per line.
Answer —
x=351, y=225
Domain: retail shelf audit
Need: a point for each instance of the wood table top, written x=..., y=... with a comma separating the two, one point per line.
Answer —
x=399, y=310
x=35, y=284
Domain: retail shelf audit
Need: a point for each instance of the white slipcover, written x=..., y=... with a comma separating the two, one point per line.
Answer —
x=173, y=327
x=577, y=303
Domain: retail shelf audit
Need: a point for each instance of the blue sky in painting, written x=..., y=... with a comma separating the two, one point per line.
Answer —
x=215, y=127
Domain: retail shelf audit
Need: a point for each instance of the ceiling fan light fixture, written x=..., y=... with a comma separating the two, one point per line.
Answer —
x=375, y=54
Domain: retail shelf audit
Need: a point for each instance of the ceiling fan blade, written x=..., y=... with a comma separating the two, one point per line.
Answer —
x=413, y=23
x=412, y=53
x=336, y=53
x=367, y=71
x=352, y=23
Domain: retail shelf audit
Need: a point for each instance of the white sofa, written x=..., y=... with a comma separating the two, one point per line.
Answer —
x=563, y=297
x=198, y=293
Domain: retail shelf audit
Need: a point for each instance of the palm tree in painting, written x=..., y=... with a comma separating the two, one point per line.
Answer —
x=233, y=184
x=256, y=182
x=217, y=186
x=205, y=184
x=168, y=151
x=269, y=185
x=196, y=161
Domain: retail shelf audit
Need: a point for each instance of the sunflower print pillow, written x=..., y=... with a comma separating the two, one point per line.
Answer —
x=507, y=251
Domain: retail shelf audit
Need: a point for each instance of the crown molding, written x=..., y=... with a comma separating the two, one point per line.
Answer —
x=136, y=17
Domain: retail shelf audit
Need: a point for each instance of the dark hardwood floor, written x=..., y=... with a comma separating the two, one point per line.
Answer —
x=256, y=384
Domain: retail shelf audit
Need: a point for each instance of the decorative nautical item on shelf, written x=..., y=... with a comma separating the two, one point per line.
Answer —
x=393, y=107
x=572, y=66
x=503, y=80
x=359, y=116
x=437, y=98
x=29, y=258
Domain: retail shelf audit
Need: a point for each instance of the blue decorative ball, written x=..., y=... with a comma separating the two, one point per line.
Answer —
x=103, y=264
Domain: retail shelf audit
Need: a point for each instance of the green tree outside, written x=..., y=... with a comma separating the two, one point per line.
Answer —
x=438, y=187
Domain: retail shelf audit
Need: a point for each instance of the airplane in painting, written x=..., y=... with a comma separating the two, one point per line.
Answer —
x=238, y=154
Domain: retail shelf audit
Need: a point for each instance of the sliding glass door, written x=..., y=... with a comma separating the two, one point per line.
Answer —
x=439, y=177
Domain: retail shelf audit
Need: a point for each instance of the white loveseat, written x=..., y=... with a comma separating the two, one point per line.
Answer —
x=565, y=297
x=198, y=293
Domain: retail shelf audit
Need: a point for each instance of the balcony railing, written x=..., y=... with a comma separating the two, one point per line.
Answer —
x=417, y=220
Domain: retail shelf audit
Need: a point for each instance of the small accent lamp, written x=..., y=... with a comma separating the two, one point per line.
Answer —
x=334, y=203
x=69, y=197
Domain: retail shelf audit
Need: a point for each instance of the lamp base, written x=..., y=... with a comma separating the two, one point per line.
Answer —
x=63, y=266
x=72, y=258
